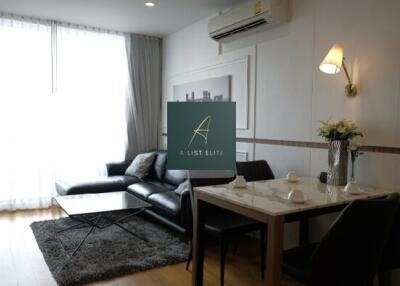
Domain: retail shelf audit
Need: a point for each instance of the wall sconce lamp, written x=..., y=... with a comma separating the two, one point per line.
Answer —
x=332, y=64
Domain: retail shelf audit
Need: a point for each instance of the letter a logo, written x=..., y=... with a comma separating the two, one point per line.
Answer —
x=202, y=130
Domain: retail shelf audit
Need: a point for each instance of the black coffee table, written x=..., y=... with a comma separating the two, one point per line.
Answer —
x=94, y=210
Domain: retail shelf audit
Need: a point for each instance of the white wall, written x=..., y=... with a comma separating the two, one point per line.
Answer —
x=276, y=74
x=287, y=94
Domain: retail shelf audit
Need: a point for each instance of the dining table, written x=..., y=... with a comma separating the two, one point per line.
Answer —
x=267, y=202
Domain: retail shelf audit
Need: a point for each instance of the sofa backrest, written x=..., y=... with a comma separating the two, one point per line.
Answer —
x=157, y=170
x=175, y=177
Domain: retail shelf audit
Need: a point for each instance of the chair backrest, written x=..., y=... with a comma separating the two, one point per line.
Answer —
x=351, y=251
x=391, y=255
x=254, y=170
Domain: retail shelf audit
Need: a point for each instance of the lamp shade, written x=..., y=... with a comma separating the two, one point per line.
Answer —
x=332, y=63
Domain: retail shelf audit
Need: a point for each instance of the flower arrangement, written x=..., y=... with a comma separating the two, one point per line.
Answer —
x=341, y=137
x=341, y=130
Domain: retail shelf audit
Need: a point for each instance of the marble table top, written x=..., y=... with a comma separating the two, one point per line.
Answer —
x=271, y=196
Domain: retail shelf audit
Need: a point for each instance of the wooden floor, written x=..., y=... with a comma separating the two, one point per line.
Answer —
x=21, y=262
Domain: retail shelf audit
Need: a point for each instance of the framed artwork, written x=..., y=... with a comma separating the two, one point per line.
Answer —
x=216, y=89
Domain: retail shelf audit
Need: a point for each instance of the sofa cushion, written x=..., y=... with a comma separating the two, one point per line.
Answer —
x=157, y=170
x=175, y=177
x=168, y=203
x=167, y=186
x=140, y=166
x=144, y=189
x=98, y=185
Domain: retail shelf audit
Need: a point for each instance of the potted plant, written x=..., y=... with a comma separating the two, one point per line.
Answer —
x=338, y=136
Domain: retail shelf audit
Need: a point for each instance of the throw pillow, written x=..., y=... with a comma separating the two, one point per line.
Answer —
x=140, y=166
x=183, y=187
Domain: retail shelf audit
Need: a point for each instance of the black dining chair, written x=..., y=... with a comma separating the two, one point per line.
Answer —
x=228, y=226
x=254, y=170
x=391, y=255
x=351, y=252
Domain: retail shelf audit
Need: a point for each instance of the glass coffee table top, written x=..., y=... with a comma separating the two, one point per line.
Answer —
x=100, y=203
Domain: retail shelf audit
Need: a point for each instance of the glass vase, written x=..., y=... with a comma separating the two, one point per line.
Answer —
x=353, y=166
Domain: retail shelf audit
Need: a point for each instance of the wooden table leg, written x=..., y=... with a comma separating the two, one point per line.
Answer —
x=275, y=251
x=198, y=242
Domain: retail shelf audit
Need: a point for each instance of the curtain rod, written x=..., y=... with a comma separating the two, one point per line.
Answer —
x=13, y=16
x=38, y=20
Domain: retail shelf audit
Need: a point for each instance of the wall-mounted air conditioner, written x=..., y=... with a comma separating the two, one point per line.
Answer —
x=248, y=18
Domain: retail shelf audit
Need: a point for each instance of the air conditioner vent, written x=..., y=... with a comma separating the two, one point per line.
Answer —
x=250, y=17
x=240, y=29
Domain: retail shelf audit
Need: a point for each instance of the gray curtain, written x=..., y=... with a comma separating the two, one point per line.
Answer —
x=144, y=93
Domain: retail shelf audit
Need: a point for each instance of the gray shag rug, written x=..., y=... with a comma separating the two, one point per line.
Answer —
x=107, y=252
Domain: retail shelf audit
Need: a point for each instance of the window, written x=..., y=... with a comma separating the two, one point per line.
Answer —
x=67, y=132
x=91, y=88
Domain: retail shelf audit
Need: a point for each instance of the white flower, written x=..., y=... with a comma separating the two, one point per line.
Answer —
x=355, y=144
x=341, y=129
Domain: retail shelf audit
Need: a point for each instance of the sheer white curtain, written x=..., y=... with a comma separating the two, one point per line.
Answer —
x=25, y=89
x=69, y=134
x=92, y=78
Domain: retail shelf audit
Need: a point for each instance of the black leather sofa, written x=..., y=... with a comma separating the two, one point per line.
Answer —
x=158, y=188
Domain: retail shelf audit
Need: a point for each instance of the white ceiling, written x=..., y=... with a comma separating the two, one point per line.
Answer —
x=122, y=15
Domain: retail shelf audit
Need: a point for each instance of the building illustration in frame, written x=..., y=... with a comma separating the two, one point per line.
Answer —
x=208, y=90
